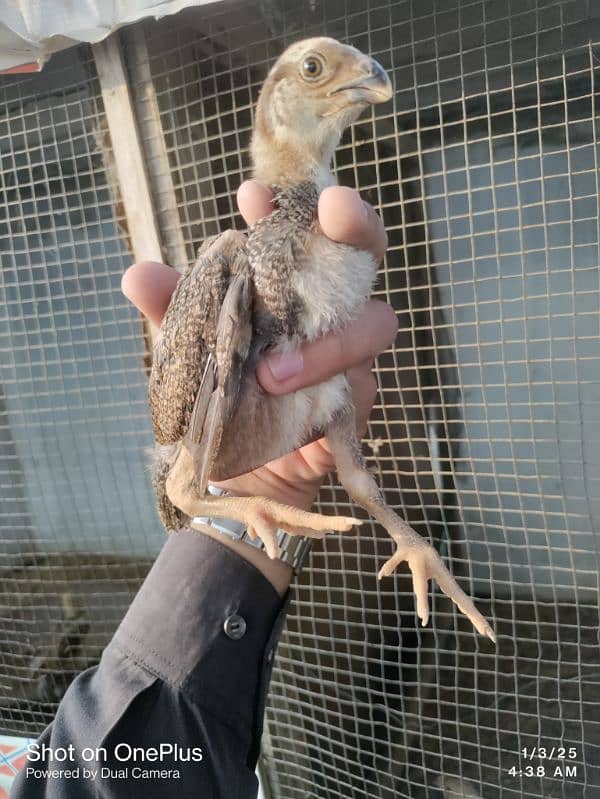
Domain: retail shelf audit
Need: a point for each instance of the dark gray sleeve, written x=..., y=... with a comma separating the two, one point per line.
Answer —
x=188, y=670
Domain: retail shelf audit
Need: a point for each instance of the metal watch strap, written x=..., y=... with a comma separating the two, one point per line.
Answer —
x=292, y=548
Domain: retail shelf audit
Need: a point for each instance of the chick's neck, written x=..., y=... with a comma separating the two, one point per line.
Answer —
x=286, y=161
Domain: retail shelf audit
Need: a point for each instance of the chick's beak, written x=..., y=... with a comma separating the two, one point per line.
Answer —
x=372, y=86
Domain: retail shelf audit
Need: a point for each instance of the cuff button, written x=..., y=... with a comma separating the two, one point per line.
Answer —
x=235, y=627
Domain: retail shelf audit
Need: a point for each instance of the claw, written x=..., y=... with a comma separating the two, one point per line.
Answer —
x=425, y=564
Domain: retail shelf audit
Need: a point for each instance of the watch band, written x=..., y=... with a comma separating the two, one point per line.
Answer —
x=292, y=548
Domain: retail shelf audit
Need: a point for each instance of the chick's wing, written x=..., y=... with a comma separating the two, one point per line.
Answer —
x=204, y=341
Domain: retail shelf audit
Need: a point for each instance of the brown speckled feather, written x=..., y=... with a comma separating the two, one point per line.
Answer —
x=210, y=419
x=189, y=335
x=276, y=247
x=236, y=300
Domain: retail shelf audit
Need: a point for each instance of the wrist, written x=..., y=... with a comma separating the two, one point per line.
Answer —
x=277, y=558
x=279, y=574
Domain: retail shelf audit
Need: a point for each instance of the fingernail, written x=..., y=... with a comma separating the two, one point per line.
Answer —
x=284, y=366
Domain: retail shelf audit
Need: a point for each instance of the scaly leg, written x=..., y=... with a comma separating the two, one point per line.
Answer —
x=262, y=516
x=423, y=561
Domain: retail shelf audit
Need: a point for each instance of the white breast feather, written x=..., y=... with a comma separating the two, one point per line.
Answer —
x=326, y=399
x=334, y=282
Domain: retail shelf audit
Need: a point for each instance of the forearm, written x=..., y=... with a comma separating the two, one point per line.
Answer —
x=176, y=672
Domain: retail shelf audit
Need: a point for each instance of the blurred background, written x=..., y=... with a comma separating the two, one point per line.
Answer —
x=484, y=168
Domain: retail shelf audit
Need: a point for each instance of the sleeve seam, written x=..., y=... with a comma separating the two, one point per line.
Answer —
x=139, y=661
x=180, y=686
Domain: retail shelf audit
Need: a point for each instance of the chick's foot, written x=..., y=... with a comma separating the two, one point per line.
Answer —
x=425, y=564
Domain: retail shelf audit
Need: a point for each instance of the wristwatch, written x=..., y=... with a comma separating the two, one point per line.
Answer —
x=292, y=548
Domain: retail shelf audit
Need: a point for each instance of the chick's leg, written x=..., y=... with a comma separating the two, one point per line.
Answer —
x=423, y=561
x=262, y=516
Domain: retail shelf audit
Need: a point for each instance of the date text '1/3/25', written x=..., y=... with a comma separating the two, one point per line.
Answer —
x=545, y=753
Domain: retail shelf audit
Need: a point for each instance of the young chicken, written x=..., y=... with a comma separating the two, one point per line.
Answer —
x=282, y=284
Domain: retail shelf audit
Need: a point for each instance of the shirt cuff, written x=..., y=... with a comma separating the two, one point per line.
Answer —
x=206, y=621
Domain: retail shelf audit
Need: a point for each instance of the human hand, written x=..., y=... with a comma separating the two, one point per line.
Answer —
x=295, y=478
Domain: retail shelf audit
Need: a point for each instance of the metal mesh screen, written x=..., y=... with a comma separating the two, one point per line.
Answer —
x=485, y=434
x=485, y=172
x=76, y=511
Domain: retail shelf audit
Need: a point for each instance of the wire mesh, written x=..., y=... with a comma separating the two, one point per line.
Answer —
x=484, y=170
x=76, y=514
x=485, y=434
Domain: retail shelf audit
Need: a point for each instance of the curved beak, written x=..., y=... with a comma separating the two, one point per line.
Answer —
x=373, y=86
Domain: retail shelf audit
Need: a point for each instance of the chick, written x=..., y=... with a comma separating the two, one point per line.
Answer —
x=282, y=284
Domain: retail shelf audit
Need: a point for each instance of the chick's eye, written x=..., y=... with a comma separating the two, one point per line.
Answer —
x=312, y=67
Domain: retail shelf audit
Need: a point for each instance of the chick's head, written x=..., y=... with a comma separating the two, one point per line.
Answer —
x=315, y=90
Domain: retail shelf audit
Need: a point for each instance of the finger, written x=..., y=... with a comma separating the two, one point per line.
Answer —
x=343, y=215
x=364, y=392
x=373, y=331
x=346, y=218
x=149, y=286
x=254, y=200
